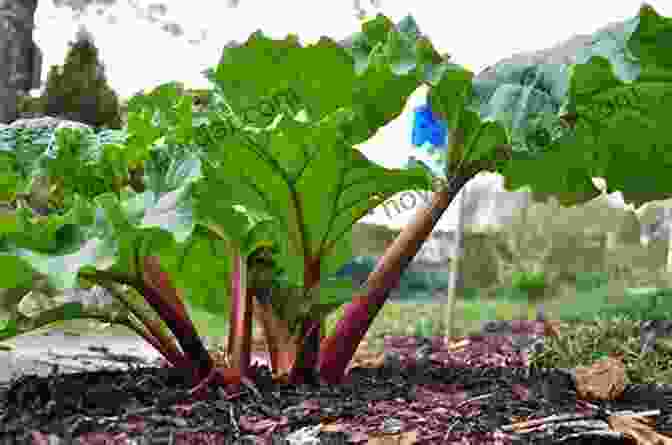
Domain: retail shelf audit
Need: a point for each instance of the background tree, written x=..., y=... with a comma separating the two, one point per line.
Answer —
x=78, y=90
x=17, y=57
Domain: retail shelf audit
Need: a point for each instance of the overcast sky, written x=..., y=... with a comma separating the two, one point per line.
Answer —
x=477, y=33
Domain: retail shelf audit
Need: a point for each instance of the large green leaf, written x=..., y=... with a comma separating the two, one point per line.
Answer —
x=331, y=294
x=306, y=177
x=53, y=234
x=621, y=126
x=618, y=109
x=76, y=305
x=604, y=116
x=374, y=77
x=163, y=112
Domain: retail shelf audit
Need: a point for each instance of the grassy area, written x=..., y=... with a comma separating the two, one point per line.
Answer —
x=593, y=327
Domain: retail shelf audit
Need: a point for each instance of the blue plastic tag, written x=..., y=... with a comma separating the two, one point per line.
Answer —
x=428, y=128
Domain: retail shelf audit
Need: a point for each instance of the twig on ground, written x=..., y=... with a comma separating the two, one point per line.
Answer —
x=518, y=426
x=473, y=399
x=545, y=420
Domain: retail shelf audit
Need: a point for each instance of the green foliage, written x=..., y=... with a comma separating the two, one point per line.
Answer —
x=635, y=303
x=424, y=328
x=630, y=231
x=412, y=284
x=74, y=162
x=530, y=282
x=78, y=90
x=479, y=265
x=587, y=281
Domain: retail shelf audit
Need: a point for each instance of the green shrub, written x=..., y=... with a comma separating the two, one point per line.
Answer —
x=479, y=265
x=587, y=281
x=532, y=283
x=424, y=327
x=78, y=90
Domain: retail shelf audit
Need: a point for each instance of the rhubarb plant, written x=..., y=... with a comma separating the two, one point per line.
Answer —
x=176, y=249
x=247, y=208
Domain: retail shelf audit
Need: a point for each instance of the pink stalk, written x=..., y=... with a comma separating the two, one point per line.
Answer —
x=159, y=292
x=279, y=342
x=240, y=329
x=168, y=348
x=308, y=350
x=338, y=349
x=303, y=370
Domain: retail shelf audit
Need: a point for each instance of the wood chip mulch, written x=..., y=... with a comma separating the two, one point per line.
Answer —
x=478, y=390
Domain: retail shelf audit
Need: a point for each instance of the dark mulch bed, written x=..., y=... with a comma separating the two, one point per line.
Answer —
x=423, y=394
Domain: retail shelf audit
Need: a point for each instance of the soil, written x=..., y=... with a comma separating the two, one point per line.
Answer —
x=419, y=391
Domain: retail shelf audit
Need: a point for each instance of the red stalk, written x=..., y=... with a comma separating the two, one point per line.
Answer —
x=246, y=305
x=338, y=349
x=281, y=347
x=303, y=370
x=147, y=327
x=240, y=329
x=308, y=350
x=157, y=291
x=166, y=346
x=166, y=301
x=294, y=357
